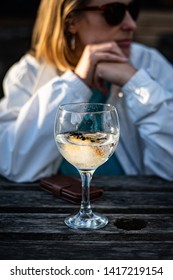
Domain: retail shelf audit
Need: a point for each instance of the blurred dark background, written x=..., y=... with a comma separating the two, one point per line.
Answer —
x=16, y=22
x=17, y=18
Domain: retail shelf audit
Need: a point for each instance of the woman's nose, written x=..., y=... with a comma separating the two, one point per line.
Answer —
x=128, y=22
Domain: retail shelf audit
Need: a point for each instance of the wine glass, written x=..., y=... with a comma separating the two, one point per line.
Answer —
x=86, y=135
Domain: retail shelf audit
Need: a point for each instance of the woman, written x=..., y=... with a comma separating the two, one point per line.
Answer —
x=82, y=51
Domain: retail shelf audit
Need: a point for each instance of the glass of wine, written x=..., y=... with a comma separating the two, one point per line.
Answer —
x=86, y=135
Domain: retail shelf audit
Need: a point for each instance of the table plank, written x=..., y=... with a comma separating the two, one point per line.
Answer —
x=86, y=250
x=111, y=202
x=146, y=183
x=133, y=227
x=144, y=195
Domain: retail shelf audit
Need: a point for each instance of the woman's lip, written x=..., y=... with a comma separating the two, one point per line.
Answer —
x=124, y=43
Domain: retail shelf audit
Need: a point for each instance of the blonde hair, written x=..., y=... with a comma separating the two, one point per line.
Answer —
x=51, y=39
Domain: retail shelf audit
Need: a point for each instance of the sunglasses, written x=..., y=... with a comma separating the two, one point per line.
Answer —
x=114, y=13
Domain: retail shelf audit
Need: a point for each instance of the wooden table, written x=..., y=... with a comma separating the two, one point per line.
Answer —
x=140, y=212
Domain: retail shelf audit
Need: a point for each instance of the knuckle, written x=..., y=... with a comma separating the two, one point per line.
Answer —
x=112, y=45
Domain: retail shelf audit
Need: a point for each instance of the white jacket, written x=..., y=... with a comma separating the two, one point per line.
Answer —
x=33, y=91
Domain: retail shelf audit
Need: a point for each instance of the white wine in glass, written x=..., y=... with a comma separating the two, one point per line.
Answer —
x=86, y=135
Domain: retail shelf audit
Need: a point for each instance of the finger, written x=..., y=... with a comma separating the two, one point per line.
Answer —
x=99, y=77
x=106, y=57
x=111, y=47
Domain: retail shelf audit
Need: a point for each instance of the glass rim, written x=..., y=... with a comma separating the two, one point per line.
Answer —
x=106, y=105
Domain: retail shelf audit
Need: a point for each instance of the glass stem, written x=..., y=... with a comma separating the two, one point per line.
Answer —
x=85, y=209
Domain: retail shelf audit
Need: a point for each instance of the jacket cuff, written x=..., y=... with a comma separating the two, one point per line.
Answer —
x=143, y=94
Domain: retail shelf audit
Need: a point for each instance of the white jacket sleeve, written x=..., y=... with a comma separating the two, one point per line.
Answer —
x=149, y=97
x=28, y=149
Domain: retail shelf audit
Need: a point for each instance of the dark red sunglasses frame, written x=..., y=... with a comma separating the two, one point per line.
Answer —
x=114, y=12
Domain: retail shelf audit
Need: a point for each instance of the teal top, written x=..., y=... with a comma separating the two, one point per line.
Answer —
x=110, y=167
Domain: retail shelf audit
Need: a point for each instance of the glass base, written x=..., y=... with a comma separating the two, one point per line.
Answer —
x=86, y=221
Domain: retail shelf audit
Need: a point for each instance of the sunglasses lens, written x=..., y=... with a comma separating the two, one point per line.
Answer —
x=114, y=13
x=134, y=9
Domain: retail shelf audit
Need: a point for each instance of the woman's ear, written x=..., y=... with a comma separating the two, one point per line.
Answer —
x=72, y=26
